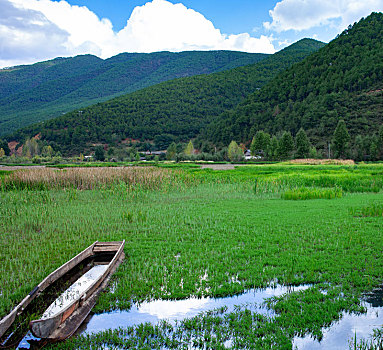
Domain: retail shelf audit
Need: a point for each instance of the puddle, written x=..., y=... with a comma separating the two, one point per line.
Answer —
x=342, y=332
x=177, y=310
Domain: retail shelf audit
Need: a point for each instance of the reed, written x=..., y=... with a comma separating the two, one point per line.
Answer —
x=87, y=178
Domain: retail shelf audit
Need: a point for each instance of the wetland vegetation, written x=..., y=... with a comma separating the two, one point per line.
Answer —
x=202, y=233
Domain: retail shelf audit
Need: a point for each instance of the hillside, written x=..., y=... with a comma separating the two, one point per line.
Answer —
x=38, y=92
x=343, y=80
x=174, y=110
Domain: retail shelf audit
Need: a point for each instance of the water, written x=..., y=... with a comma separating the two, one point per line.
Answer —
x=339, y=335
x=30, y=342
x=336, y=337
x=177, y=310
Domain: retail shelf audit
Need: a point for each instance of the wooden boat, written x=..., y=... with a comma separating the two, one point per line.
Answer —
x=71, y=308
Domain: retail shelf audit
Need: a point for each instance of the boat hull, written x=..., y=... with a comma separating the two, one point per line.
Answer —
x=8, y=320
x=61, y=326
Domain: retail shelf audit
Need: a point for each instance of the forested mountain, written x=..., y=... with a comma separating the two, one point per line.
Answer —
x=343, y=80
x=33, y=93
x=173, y=110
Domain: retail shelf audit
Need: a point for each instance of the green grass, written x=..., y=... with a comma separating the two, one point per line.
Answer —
x=277, y=177
x=375, y=342
x=374, y=209
x=219, y=228
x=305, y=193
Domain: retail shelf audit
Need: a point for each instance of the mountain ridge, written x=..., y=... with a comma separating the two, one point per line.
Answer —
x=37, y=92
x=176, y=109
x=332, y=84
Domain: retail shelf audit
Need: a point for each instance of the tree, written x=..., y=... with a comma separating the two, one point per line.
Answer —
x=99, y=153
x=132, y=151
x=121, y=153
x=313, y=153
x=302, y=144
x=2, y=153
x=260, y=143
x=359, y=149
x=189, y=150
x=380, y=142
x=110, y=152
x=4, y=146
x=47, y=151
x=274, y=147
x=171, y=151
x=234, y=152
x=286, y=145
x=341, y=139
x=374, y=153
x=31, y=148
x=163, y=141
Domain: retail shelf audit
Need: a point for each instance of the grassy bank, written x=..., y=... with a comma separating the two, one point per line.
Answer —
x=217, y=225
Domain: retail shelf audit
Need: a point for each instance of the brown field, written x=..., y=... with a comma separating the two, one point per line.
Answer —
x=322, y=161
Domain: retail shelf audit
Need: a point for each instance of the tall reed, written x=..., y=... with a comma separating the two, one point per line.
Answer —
x=88, y=178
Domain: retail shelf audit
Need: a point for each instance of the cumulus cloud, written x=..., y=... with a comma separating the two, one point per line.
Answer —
x=24, y=34
x=43, y=29
x=305, y=14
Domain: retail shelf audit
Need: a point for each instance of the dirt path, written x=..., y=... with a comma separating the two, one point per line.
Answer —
x=220, y=166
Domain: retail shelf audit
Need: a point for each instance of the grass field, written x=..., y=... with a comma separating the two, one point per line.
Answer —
x=224, y=225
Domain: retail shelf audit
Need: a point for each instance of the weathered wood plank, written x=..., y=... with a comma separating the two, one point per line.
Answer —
x=8, y=320
x=64, y=307
x=70, y=326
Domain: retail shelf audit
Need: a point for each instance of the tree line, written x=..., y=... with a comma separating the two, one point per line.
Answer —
x=343, y=80
x=284, y=146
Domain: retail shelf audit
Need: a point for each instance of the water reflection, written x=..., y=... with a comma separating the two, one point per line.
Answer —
x=336, y=337
x=342, y=332
x=31, y=342
x=177, y=310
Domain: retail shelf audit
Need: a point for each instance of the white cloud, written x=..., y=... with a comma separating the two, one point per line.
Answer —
x=24, y=34
x=305, y=14
x=46, y=29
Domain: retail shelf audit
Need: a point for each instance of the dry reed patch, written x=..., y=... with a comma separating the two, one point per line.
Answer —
x=323, y=161
x=88, y=178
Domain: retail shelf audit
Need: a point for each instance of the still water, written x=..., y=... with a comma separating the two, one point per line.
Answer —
x=335, y=337
x=177, y=310
x=339, y=335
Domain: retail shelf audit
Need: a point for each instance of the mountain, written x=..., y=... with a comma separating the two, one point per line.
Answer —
x=38, y=92
x=174, y=110
x=343, y=80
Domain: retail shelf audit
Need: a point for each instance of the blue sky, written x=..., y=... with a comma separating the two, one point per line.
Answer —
x=37, y=30
x=230, y=16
